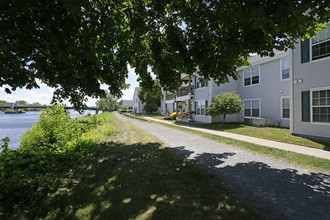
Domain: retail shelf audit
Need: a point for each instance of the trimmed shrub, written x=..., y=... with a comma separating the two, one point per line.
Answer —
x=173, y=116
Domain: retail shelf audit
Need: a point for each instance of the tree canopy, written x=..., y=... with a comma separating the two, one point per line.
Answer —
x=74, y=46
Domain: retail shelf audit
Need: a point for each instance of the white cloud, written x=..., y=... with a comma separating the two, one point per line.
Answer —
x=128, y=93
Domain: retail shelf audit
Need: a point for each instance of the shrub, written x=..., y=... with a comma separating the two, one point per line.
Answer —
x=43, y=162
x=173, y=116
x=123, y=109
x=10, y=110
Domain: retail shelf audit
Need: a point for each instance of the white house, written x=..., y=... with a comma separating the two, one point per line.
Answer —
x=264, y=87
x=137, y=103
x=310, y=86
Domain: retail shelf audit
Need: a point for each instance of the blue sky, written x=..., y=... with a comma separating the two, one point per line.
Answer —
x=45, y=93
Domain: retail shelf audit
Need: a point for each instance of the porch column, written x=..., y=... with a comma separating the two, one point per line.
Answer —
x=189, y=89
x=165, y=103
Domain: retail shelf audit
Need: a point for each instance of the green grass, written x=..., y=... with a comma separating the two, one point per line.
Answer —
x=269, y=133
x=130, y=175
x=304, y=161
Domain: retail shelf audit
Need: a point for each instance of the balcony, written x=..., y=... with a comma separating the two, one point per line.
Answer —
x=170, y=96
x=185, y=91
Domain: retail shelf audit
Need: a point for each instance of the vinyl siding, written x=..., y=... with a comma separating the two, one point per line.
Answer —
x=269, y=90
x=313, y=74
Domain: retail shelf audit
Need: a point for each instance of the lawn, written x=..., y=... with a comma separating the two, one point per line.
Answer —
x=270, y=133
x=130, y=175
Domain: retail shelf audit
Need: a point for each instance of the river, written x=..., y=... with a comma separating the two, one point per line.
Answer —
x=15, y=125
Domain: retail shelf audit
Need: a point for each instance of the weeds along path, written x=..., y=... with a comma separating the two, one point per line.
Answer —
x=281, y=190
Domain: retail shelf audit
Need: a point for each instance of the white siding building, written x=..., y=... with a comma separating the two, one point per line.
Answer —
x=310, y=86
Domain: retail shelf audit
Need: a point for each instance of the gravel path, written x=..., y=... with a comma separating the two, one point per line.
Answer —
x=281, y=190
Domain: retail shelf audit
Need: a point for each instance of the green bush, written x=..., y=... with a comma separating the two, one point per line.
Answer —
x=173, y=116
x=10, y=110
x=44, y=160
x=123, y=109
x=21, y=111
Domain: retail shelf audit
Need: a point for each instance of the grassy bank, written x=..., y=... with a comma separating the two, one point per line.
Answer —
x=304, y=161
x=129, y=175
x=269, y=133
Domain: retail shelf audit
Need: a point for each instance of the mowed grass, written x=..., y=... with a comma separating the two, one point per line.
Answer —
x=269, y=133
x=301, y=160
x=130, y=175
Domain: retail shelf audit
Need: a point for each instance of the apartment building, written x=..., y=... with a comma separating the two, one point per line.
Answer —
x=310, y=86
x=264, y=87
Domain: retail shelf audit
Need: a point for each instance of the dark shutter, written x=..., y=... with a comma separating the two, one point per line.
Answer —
x=206, y=105
x=305, y=51
x=305, y=106
x=195, y=108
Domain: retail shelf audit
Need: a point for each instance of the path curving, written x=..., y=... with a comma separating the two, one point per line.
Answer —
x=279, y=189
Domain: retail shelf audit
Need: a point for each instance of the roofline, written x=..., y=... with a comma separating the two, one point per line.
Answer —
x=279, y=56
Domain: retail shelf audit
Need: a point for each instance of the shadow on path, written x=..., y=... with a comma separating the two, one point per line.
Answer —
x=282, y=193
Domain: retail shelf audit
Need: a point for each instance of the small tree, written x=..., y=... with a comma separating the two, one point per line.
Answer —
x=227, y=103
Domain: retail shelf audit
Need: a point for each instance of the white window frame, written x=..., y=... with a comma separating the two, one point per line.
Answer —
x=311, y=105
x=250, y=69
x=251, y=108
x=199, y=104
x=281, y=70
x=310, y=52
x=197, y=81
x=285, y=97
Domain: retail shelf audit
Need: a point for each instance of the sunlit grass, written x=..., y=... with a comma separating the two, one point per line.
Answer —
x=130, y=175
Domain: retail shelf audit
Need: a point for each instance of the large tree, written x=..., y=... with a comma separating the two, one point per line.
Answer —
x=107, y=103
x=74, y=46
x=150, y=97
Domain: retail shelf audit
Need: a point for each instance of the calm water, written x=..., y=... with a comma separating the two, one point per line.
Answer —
x=14, y=125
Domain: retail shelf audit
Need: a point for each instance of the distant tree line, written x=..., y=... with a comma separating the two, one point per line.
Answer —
x=22, y=103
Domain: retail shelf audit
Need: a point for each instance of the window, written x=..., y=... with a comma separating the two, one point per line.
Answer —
x=200, y=107
x=199, y=84
x=321, y=44
x=251, y=76
x=285, y=108
x=251, y=108
x=321, y=105
x=285, y=69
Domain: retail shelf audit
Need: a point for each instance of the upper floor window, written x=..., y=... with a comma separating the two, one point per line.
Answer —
x=198, y=84
x=321, y=44
x=251, y=76
x=285, y=69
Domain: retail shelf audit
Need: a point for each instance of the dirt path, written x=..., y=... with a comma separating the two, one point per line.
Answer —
x=281, y=190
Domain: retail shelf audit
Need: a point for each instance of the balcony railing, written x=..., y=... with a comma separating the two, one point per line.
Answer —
x=185, y=91
x=170, y=96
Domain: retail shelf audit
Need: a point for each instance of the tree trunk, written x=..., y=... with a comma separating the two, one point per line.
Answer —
x=224, y=119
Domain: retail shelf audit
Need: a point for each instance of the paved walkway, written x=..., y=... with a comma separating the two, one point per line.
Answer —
x=280, y=190
x=267, y=143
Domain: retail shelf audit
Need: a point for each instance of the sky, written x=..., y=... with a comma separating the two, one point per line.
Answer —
x=44, y=94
